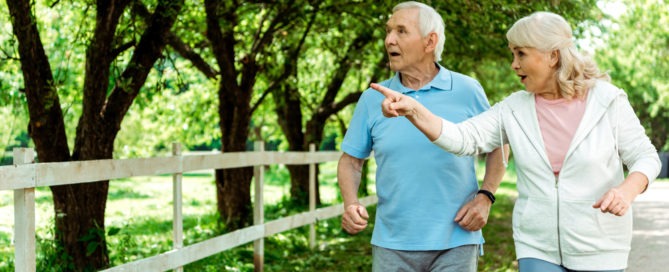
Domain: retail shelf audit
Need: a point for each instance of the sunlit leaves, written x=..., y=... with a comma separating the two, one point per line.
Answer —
x=636, y=55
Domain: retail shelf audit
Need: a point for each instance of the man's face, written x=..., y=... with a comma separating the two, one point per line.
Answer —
x=405, y=46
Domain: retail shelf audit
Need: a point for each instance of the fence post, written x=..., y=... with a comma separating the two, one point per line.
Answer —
x=24, y=218
x=258, y=209
x=177, y=204
x=312, y=196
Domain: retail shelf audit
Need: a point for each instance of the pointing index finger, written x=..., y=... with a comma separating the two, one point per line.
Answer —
x=383, y=90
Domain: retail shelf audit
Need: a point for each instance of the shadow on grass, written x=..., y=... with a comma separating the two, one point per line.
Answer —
x=498, y=233
x=125, y=193
x=336, y=250
x=191, y=174
x=508, y=185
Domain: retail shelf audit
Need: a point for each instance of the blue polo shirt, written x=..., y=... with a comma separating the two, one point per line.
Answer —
x=420, y=186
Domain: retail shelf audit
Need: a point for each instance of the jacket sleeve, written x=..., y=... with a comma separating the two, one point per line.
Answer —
x=479, y=134
x=635, y=149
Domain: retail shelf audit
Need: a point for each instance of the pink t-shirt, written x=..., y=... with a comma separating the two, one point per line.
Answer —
x=558, y=121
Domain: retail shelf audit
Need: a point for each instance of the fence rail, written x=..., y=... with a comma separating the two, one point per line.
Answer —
x=24, y=176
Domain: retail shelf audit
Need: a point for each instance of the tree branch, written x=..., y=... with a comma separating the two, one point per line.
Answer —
x=187, y=52
x=222, y=44
x=148, y=50
x=345, y=66
x=117, y=51
x=293, y=56
x=46, y=125
x=337, y=106
x=178, y=45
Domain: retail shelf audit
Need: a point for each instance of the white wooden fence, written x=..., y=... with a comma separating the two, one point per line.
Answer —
x=24, y=176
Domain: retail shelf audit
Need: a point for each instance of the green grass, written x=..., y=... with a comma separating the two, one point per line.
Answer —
x=140, y=209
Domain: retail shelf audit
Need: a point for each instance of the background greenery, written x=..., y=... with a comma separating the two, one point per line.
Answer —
x=180, y=106
x=139, y=216
x=178, y=102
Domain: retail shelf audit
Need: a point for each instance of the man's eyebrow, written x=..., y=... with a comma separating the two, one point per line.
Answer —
x=401, y=27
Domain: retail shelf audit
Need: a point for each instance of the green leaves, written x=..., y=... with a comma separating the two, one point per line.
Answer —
x=113, y=231
x=635, y=52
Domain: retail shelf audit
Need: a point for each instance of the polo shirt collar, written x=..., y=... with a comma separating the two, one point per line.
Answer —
x=443, y=81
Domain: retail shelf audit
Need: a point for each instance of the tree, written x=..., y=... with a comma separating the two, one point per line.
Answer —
x=239, y=35
x=80, y=208
x=635, y=51
x=311, y=95
x=314, y=58
x=474, y=35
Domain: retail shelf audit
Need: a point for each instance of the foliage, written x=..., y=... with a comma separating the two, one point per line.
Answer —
x=139, y=225
x=476, y=42
x=634, y=49
x=13, y=110
x=52, y=257
x=178, y=104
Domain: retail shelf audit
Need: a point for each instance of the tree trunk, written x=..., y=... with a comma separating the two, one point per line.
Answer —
x=80, y=208
x=233, y=193
x=233, y=190
x=287, y=106
x=299, y=184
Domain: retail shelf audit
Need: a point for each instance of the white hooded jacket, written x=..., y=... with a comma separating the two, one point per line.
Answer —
x=553, y=218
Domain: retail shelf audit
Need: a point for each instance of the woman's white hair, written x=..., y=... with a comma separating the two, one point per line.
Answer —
x=547, y=31
x=428, y=21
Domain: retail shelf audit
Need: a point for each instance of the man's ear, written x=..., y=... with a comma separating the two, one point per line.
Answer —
x=431, y=42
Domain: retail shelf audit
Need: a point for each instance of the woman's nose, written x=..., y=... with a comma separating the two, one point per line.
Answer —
x=514, y=64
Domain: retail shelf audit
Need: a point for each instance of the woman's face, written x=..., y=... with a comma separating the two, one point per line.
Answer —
x=536, y=70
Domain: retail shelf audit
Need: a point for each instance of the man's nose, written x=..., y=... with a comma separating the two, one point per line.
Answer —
x=390, y=38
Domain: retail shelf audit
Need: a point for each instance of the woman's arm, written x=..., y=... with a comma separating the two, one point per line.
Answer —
x=638, y=153
x=479, y=134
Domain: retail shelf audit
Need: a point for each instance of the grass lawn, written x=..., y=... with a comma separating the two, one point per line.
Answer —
x=140, y=209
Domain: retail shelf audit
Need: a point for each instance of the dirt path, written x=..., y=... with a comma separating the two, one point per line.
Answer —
x=650, y=243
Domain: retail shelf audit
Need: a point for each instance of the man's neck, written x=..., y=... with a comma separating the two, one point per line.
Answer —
x=419, y=76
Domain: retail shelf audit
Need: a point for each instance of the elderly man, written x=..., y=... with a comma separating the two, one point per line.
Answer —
x=431, y=210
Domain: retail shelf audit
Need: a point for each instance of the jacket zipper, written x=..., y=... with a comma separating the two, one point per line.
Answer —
x=557, y=225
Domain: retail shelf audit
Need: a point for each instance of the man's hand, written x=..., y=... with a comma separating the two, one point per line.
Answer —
x=354, y=219
x=474, y=215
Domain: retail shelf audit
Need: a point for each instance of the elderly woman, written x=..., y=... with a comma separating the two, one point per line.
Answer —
x=571, y=131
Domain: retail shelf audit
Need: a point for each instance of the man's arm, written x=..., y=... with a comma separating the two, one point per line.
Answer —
x=495, y=169
x=349, y=171
x=474, y=215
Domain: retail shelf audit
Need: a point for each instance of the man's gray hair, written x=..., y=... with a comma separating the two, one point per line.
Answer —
x=428, y=21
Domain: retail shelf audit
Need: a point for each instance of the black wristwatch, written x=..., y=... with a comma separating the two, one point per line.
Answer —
x=488, y=194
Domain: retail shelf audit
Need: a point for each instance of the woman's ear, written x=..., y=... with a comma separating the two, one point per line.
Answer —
x=554, y=58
